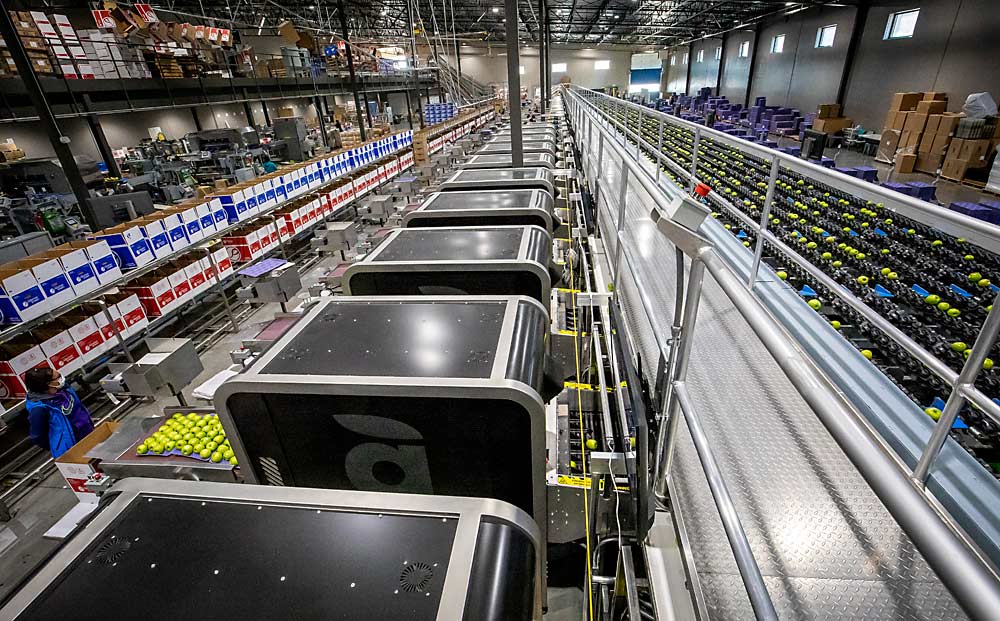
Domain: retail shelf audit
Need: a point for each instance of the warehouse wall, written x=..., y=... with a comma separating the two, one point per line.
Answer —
x=949, y=52
x=706, y=72
x=34, y=141
x=676, y=74
x=952, y=50
x=579, y=66
x=736, y=70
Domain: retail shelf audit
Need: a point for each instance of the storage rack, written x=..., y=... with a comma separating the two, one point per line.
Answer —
x=24, y=327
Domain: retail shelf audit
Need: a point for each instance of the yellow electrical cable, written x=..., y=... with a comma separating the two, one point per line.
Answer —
x=583, y=442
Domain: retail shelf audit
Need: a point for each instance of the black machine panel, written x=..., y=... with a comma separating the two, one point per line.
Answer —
x=176, y=558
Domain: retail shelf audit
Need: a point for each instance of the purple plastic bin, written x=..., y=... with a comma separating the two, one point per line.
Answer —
x=925, y=191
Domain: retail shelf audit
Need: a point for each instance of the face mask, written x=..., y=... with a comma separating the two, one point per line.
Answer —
x=61, y=383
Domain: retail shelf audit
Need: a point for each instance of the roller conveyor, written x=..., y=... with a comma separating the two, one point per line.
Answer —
x=826, y=545
x=497, y=207
x=500, y=179
x=504, y=148
x=531, y=160
x=511, y=260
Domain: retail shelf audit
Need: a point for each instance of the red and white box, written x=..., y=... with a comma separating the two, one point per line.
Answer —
x=131, y=312
x=223, y=263
x=59, y=348
x=16, y=357
x=243, y=245
x=196, y=276
x=180, y=284
x=156, y=295
x=85, y=333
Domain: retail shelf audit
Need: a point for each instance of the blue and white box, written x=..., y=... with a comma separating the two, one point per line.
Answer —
x=52, y=279
x=156, y=232
x=21, y=297
x=77, y=266
x=104, y=260
x=129, y=244
x=219, y=214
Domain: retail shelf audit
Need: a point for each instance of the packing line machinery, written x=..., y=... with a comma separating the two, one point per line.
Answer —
x=453, y=433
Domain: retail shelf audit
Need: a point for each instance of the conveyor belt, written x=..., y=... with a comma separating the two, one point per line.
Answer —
x=826, y=545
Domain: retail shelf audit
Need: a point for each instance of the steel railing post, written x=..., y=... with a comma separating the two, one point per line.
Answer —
x=956, y=400
x=620, y=228
x=694, y=159
x=659, y=152
x=765, y=216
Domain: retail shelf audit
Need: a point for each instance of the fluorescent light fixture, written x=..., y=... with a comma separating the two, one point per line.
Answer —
x=495, y=9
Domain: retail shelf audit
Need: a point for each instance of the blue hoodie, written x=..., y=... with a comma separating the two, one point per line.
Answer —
x=51, y=428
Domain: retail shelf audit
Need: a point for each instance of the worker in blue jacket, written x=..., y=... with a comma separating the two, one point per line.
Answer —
x=56, y=418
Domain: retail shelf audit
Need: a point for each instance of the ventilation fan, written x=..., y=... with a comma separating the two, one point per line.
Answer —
x=415, y=577
x=111, y=551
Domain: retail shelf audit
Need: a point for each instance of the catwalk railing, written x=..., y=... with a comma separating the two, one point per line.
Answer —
x=961, y=566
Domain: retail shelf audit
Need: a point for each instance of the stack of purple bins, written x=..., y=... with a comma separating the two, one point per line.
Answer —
x=988, y=211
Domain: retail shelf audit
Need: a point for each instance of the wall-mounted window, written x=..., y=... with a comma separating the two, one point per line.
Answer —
x=718, y=53
x=902, y=24
x=673, y=59
x=745, y=49
x=558, y=67
x=685, y=58
x=825, y=35
x=778, y=44
x=602, y=65
x=700, y=56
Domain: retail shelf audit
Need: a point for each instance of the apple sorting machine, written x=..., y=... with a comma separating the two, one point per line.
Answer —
x=429, y=395
x=484, y=260
x=500, y=179
x=504, y=148
x=498, y=207
x=531, y=160
x=162, y=549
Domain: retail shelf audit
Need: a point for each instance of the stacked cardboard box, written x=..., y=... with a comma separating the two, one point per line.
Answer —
x=828, y=119
x=964, y=154
x=34, y=43
x=935, y=140
x=9, y=152
x=917, y=131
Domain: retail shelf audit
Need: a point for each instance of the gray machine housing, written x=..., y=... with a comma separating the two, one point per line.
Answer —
x=500, y=179
x=504, y=148
x=531, y=160
x=418, y=394
x=483, y=260
x=289, y=553
x=497, y=207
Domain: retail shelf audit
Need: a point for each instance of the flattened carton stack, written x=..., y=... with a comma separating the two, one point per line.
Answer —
x=918, y=132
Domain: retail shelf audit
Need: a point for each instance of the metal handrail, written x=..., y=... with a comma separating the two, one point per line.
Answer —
x=968, y=391
x=955, y=560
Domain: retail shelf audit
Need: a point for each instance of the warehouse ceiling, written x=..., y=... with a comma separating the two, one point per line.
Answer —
x=657, y=23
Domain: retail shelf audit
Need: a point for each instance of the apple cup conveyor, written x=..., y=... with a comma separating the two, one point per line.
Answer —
x=489, y=208
x=158, y=549
x=484, y=260
x=439, y=395
x=528, y=146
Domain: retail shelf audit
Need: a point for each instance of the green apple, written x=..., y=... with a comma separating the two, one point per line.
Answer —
x=943, y=306
x=142, y=449
x=835, y=324
x=932, y=299
x=204, y=453
x=228, y=454
x=815, y=304
x=233, y=462
x=169, y=446
x=219, y=439
x=187, y=449
x=959, y=346
x=933, y=413
x=827, y=256
x=837, y=263
x=863, y=280
x=892, y=275
x=985, y=282
x=216, y=457
x=987, y=364
x=783, y=275
x=954, y=312
x=975, y=277
x=867, y=353
x=885, y=270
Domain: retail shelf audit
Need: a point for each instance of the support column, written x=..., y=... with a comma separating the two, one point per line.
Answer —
x=409, y=110
x=542, y=60
x=322, y=123
x=860, y=20
x=514, y=83
x=413, y=68
x=103, y=147
x=267, y=117
x=60, y=142
x=197, y=121
x=753, y=64
x=249, y=114
x=350, y=69
x=458, y=61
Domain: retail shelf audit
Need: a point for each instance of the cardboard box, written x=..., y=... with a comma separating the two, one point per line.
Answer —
x=929, y=163
x=898, y=119
x=17, y=356
x=129, y=244
x=948, y=122
x=905, y=101
x=101, y=256
x=928, y=106
x=954, y=169
x=935, y=96
x=85, y=333
x=58, y=347
x=828, y=111
x=909, y=140
x=905, y=162
x=972, y=152
x=155, y=293
x=915, y=122
x=77, y=266
x=76, y=467
x=130, y=310
x=21, y=297
x=51, y=278
x=935, y=144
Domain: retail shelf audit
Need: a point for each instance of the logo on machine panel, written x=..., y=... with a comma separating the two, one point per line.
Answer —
x=379, y=466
